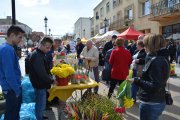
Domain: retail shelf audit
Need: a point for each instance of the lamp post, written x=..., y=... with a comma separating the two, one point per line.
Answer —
x=84, y=33
x=105, y=24
x=13, y=12
x=45, y=21
x=49, y=32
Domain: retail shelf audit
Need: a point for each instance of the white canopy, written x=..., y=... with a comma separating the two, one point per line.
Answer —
x=175, y=36
x=109, y=34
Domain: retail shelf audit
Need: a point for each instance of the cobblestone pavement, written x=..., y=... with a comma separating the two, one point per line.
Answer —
x=170, y=113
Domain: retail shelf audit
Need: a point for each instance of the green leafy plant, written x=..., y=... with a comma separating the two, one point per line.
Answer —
x=96, y=107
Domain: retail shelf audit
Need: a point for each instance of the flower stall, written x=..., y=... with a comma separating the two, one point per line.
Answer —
x=69, y=76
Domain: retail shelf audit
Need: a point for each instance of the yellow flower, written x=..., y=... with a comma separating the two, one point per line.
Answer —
x=62, y=70
x=128, y=103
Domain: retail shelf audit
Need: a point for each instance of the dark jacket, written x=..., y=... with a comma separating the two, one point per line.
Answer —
x=39, y=71
x=101, y=59
x=107, y=47
x=141, y=56
x=79, y=48
x=154, y=78
x=133, y=48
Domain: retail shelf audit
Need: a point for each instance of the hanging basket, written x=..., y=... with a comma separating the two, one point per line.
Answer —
x=62, y=81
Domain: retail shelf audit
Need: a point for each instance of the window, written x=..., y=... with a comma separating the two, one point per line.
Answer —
x=130, y=14
x=114, y=3
x=102, y=12
x=107, y=7
x=97, y=15
x=146, y=8
x=118, y=2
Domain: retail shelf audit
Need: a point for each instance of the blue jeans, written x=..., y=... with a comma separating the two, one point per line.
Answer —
x=13, y=105
x=151, y=112
x=134, y=90
x=80, y=62
x=96, y=76
x=40, y=103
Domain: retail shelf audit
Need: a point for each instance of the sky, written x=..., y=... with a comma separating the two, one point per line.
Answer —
x=61, y=14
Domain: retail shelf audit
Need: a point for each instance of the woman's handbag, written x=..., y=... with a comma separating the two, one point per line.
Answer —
x=168, y=97
x=169, y=100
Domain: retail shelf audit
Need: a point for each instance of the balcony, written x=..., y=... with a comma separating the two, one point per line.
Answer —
x=165, y=10
x=121, y=24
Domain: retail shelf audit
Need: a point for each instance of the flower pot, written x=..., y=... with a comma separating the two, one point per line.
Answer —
x=62, y=81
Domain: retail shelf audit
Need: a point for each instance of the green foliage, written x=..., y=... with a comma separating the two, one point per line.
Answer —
x=100, y=104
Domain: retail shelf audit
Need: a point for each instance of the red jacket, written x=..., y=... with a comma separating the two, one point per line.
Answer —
x=120, y=61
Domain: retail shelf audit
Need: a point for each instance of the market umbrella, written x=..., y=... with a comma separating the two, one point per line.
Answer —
x=130, y=34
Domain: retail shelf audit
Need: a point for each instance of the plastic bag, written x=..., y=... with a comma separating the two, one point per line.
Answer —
x=27, y=111
x=28, y=95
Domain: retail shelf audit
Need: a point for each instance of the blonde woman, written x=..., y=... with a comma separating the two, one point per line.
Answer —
x=154, y=78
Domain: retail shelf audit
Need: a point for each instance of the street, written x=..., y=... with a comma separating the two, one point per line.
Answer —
x=171, y=112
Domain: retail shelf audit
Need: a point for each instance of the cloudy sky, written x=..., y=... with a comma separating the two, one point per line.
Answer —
x=61, y=14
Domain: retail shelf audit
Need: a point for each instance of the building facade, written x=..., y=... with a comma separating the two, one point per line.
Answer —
x=82, y=28
x=148, y=16
x=7, y=22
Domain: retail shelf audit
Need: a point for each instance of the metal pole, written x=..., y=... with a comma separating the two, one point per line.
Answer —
x=46, y=28
x=105, y=28
x=13, y=12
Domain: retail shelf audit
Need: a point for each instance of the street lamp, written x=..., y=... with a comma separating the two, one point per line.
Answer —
x=105, y=24
x=45, y=21
x=27, y=39
x=49, y=31
x=13, y=12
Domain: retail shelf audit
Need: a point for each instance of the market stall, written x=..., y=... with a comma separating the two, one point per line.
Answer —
x=130, y=34
x=69, y=76
x=64, y=92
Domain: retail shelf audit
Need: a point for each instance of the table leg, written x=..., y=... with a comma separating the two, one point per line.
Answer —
x=61, y=109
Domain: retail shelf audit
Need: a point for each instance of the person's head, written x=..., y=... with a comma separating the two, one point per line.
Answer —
x=15, y=35
x=45, y=44
x=140, y=44
x=114, y=45
x=89, y=44
x=100, y=49
x=114, y=37
x=154, y=42
x=119, y=42
x=57, y=43
x=78, y=40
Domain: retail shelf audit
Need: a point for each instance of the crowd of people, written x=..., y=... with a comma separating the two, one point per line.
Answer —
x=149, y=57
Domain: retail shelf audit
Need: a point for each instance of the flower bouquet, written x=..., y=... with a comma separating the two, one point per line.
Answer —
x=62, y=72
x=124, y=96
x=92, y=107
x=172, y=70
x=58, y=57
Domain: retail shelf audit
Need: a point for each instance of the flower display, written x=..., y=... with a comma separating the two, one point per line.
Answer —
x=124, y=96
x=62, y=70
x=128, y=103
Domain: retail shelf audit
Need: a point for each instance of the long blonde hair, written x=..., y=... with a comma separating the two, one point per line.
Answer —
x=154, y=42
